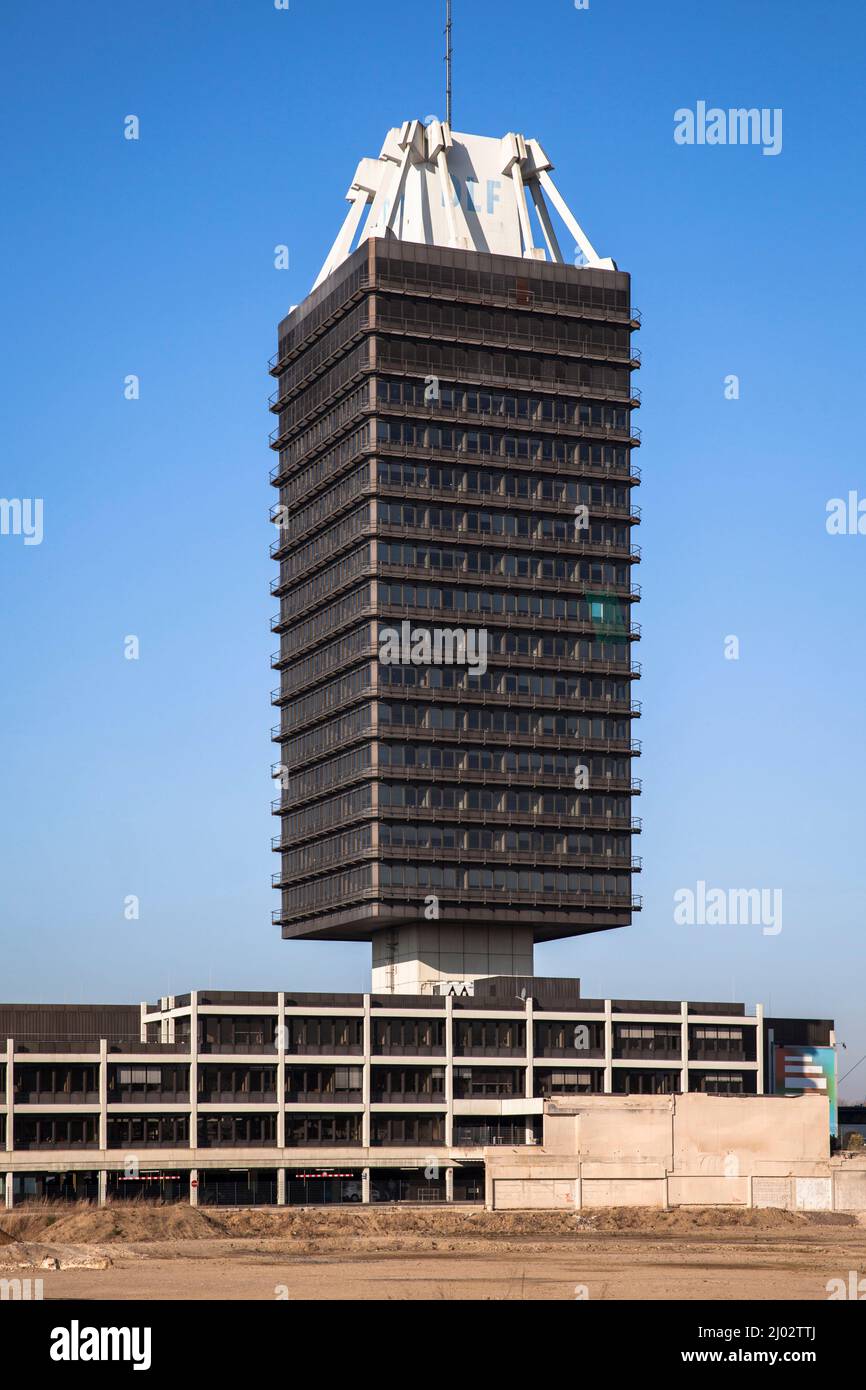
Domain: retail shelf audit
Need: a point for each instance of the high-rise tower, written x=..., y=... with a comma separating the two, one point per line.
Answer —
x=456, y=572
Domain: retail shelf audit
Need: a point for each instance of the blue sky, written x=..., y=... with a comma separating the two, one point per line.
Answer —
x=156, y=257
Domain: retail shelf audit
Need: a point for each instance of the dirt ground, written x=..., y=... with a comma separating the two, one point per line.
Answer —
x=151, y=1252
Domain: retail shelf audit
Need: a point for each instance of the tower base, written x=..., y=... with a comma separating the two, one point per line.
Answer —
x=431, y=958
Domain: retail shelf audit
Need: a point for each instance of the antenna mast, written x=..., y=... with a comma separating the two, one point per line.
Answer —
x=448, y=61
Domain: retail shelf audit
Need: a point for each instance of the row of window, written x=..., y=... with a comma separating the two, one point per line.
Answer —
x=322, y=776
x=54, y=1079
x=510, y=564
x=503, y=880
x=335, y=733
x=533, y=724
x=299, y=410
x=321, y=892
x=473, y=321
x=398, y=1081
x=595, y=807
x=241, y=1131
x=647, y=1038
x=310, y=316
x=503, y=761
x=537, y=487
x=561, y=648
x=463, y=400
x=498, y=682
x=604, y=610
x=324, y=506
x=326, y=619
x=330, y=695
x=237, y=1081
x=327, y=1032
x=322, y=584
x=411, y=835
x=324, y=544
x=495, y=365
x=344, y=1084
x=325, y=815
x=522, y=525
x=326, y=659
x=317, y=435
x=296, y=489
x=335, y=849
x=485, y=275
x=496, y=444
x=331, y=342
x=339, y=1082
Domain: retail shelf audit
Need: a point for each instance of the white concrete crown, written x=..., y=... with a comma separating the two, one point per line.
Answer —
x=440, y=188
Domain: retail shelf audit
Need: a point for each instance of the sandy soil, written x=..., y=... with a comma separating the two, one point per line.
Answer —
x=179, y=1253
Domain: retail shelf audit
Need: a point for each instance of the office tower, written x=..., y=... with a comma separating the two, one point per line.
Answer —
x=456, y=566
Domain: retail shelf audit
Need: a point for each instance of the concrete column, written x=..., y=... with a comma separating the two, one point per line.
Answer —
x=759, y=1048
x=102, y=1180
x=608, y=1047
x=10, y=1093
x=770, y=1064
x=449, y=1071
x=193, y=1075
x=281, y=1187
x=143, y=1033
x=10, y=1195
x=103, y=1096
x=193, y=1187
x=281, y=1079
x=449, y=1184
x=528, y=1133
x=684, y=1046
x=365, y=1186
x=365, y=1077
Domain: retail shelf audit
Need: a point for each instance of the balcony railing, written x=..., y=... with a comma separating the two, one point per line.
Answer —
x=116, y=1096
x=408, y=1098
x=570, y=1053
x=623, y=1051
x=324, y=1097
x=702, y=1054
x=214, y=1097
x=32, y=1097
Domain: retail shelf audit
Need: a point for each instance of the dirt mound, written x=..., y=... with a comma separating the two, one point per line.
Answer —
x=385, y=1227
x=338, y=1222
x=135, y=1222
x=688, y=1220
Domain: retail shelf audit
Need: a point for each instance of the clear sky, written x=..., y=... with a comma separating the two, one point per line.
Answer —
x=155, y=257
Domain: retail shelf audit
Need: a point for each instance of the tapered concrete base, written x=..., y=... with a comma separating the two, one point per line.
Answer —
x=431, y=957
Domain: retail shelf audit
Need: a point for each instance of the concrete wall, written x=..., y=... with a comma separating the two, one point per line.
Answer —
x=680, y=1150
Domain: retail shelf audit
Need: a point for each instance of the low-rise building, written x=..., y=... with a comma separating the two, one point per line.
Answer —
x=289, y=1097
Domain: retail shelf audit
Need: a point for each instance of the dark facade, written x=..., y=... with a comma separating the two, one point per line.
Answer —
x=442, y=416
